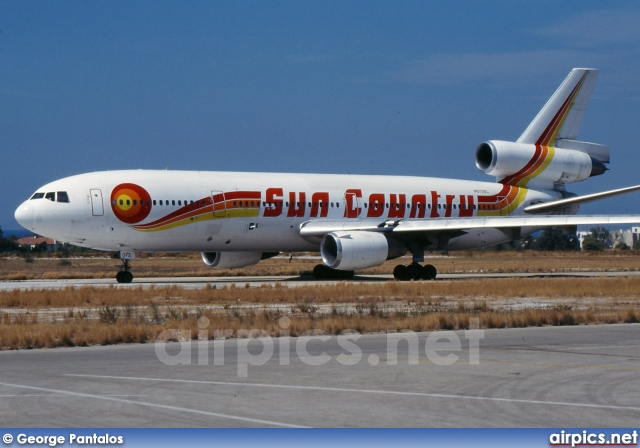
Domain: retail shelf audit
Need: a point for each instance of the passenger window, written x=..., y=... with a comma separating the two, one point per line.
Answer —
x=160, y=201
x=173, y=202
x=154, y=202
x=51, y=196
x=63, y=196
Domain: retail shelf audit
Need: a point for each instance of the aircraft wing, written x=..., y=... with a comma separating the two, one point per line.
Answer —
x=548, y=207
x=510, y=222
x=405, y=227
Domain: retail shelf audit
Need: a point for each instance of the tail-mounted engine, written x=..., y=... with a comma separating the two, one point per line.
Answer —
x=524, y=164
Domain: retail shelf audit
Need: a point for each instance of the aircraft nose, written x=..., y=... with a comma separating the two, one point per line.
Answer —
x=25, y=215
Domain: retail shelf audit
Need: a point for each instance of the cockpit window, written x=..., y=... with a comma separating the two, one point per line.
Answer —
x=51, y=196
x=63, y=196
x=37, y=196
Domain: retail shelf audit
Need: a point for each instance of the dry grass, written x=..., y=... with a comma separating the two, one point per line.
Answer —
x=26, y=333
x=108, y=315
x=345, y=292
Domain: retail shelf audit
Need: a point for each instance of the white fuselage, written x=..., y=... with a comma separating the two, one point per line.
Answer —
x=227, y=211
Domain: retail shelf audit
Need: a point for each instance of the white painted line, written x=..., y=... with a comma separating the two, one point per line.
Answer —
x=608, y=346
x=368, y=391
x=63, y=395
x=154, y=405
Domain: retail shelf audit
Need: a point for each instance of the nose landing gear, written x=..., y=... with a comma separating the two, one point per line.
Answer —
x=124, y=275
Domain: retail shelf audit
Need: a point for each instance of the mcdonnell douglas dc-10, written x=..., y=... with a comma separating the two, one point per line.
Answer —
x=356, y=221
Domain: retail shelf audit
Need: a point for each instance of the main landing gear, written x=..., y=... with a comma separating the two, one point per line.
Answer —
x=415, y=271
x=124, y=275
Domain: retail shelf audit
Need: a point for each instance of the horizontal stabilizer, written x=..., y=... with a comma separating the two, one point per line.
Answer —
x=595, y=150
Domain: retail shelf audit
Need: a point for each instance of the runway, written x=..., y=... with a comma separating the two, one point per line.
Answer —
x=583, y=376
x=289, y=281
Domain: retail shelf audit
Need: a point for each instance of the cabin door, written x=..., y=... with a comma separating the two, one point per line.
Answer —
x=219, y=204
x=97, y=208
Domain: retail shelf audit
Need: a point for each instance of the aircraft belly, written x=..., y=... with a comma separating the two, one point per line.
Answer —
x=231, y=235
x=478, y=238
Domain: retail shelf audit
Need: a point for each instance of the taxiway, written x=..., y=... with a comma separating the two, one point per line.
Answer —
x=583, y=376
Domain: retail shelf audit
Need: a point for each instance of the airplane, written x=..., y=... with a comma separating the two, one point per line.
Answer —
x=236, y=219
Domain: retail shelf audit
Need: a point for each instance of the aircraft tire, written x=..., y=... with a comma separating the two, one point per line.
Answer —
x=429, y=272
x=124, y=277
x=401, y=272
x=414, y=271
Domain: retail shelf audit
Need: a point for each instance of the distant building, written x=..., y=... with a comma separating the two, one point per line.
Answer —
x=32, y=241
x=629, y=237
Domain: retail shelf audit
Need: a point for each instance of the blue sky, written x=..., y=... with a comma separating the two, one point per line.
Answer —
x=380, y=87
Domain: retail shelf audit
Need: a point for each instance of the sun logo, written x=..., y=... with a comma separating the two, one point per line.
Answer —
x=130, y=203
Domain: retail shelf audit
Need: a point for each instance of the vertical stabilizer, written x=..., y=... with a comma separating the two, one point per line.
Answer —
x=561, y=117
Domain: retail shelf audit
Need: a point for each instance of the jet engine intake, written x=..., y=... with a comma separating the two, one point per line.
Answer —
x=349, y=251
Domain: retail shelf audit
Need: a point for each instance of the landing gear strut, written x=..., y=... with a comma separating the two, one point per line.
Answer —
x=415, y=271
x=124, y=275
